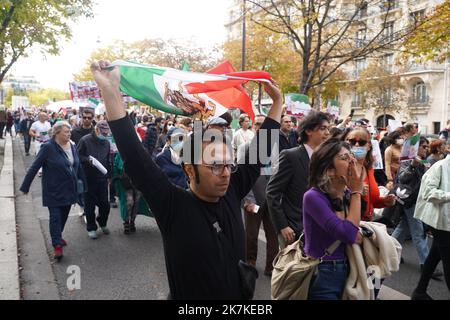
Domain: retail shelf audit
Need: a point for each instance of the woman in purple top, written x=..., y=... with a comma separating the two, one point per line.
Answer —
x=329, y=216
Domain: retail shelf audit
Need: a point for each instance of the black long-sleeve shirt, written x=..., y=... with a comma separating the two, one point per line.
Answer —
x=203, y=241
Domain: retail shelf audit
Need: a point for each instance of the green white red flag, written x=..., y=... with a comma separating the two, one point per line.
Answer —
x=199, y=95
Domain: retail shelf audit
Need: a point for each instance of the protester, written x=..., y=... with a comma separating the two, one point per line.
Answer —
x=9, y=123
x=328, y=216
x=392, y=156
x=24, y=128
x=62, y=184
x=169, y=159
x=361, y=148
x=288, y=184
x=243, y=135
x=202, y=227
x=142, y=127
x=86, y=127
x=443, y=135
x=433, y=208
x=162, y=138
x=2, y=121
x=288, y=137
x=255, y=213
x=437, y=149
x=40, y=131
x=409, y=178
x=131, y=202
x=97, y=146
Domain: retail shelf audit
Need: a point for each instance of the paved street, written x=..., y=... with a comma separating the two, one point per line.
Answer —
x=118, y=266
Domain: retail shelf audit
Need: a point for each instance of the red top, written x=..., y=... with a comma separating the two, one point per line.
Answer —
x=374, y=201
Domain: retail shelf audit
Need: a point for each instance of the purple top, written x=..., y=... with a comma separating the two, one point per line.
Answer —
x=322, y=227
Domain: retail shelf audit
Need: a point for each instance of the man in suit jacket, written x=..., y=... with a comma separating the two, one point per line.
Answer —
x=290, y=181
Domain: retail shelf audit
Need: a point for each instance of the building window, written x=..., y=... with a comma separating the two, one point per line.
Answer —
x=436, y=127
x=419, y=93
x=361, y=64
x=388, y=32
x=388, y=5
x=417, y=16
x=388, y=61
x=357, y=100
x=363, y=10
x=361, y=37
x=386, y=97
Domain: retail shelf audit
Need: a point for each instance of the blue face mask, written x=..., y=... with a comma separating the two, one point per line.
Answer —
x=177, y=146
x=102, y=137
x=359, y=152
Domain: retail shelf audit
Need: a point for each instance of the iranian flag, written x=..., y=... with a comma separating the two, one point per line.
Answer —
x=199, y=95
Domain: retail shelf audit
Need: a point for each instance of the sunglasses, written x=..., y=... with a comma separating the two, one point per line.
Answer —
x=87, y=118
x=353, y=142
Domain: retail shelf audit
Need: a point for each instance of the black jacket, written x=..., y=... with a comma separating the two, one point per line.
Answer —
x=203, y=241
x=286, y=187
x=78, y=133
x=91, y=145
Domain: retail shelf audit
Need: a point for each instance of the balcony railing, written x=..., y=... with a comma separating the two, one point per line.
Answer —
x=356, y=105
x=419, y=101
x=388, y=5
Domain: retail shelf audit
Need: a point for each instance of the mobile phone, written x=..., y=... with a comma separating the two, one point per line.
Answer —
x=256, y=209
x=352, y=113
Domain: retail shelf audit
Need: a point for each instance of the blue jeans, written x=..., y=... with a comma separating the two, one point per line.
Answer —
x=409, y=224
x=58, y=218
x=329, y=281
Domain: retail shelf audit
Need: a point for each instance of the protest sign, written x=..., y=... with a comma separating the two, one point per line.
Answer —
x=376, y=153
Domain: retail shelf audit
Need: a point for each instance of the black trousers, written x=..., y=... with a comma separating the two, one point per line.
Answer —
x=27, y=142
x=97, y=195
x=2, y=127
x=252, y=225
x=440, y=250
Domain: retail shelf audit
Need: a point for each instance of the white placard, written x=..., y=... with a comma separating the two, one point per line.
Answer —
x=98, y=165
x=376, y=153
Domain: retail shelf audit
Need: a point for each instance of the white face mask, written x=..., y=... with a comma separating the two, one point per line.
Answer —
x=399, y=141
x=177, y=146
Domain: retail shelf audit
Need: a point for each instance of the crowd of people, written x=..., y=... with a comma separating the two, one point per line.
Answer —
x=210, y=211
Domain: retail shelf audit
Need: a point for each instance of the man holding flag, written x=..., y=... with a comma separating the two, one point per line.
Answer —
x=202, y=228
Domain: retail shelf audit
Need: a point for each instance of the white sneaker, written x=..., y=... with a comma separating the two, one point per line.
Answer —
x=92, y=234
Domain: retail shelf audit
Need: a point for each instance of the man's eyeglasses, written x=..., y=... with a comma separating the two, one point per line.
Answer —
x=353, y=142
x=217, y=169
x=87, y=118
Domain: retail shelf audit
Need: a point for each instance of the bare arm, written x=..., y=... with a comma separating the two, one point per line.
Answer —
x=108, y=81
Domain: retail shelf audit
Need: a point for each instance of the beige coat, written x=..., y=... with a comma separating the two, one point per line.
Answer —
x=380, y=254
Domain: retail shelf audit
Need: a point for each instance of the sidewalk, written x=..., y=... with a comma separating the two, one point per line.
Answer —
x=9, y=266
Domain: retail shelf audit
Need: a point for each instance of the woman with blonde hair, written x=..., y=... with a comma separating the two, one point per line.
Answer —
x=63, y=180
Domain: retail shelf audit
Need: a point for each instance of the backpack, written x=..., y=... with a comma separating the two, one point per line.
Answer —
x=293, y=271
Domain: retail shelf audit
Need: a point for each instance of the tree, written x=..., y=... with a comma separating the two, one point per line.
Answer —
x=40, y=97
x=166, y=53
x=326, y=34
x=266, y=51
x=431, y=40
x=380, y=90
x=26, y=23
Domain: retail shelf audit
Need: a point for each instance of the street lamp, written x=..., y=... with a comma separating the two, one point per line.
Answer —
x=243, y=34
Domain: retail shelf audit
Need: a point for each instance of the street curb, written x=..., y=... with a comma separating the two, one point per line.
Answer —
x=9, y=264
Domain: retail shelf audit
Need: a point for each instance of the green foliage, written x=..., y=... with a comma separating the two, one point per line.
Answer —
x=431, y=40
x=27, y=23
x=165, y=53
x=42, y=96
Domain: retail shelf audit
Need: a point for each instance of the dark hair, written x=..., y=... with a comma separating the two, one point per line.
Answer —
x=393, y=136
x=196, y=149
x=88, y=110
x=335, y=132
x=310, y=122
x=322, y=160
x=227, y=117
x=423, y=140
x=410, y=126
x=368, y=161
x=435, y=146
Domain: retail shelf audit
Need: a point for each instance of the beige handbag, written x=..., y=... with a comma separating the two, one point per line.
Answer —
x=292, y=271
